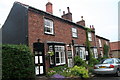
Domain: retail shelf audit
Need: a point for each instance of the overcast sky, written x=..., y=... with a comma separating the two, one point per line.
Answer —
x=103, y=14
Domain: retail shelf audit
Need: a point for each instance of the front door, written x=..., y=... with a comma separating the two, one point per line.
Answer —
x=39, y=58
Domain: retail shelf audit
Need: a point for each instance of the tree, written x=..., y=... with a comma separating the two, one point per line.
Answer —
x=105, y=50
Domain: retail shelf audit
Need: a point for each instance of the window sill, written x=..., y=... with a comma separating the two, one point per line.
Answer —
x=75, y=37
x=49, y=34
x=60, y=64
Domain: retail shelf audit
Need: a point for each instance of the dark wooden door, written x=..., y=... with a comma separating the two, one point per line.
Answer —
x=39, y=58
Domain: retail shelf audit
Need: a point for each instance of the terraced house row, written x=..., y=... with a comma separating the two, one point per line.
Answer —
x=46, y=34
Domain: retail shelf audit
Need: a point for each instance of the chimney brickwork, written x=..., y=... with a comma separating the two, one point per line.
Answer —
x=82, y=22
x=49, y=8
x=68, y=15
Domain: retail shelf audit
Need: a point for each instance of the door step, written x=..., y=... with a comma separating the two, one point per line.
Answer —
x=41, y=78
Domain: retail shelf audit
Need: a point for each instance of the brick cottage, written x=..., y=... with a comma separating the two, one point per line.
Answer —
x=46, y=33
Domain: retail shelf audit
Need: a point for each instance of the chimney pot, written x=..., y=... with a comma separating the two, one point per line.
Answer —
x=68, y=9
x=82, y=17
x=90, y=26
x=63, y=12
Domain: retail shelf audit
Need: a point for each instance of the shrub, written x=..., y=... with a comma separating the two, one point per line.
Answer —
x=50, y=73
x=93, y=61
x=69, y=72
x=17, y=62
x=79, y=62
x=56, y=70
x=80, y=71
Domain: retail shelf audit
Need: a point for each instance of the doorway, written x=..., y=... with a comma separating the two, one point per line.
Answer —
x=39, y=58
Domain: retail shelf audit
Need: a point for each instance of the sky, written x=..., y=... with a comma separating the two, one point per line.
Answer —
x=103, y=14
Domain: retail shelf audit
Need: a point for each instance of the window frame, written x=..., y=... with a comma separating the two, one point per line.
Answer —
x=51, y=27
x=95, y=52
x=79, y=51
x=100, y=43
x=60, y=55
x=101, y=53
x=74, y=34
x=89, y=36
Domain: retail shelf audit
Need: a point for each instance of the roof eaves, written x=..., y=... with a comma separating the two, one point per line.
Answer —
x=102, y=38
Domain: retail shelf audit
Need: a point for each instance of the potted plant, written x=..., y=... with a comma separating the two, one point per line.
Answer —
x=51, y=53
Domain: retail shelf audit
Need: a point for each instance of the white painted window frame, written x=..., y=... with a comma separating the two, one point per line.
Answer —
x=74, y=32
x=50, y=26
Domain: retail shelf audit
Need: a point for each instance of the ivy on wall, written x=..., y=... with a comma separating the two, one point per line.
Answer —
x=91, y=59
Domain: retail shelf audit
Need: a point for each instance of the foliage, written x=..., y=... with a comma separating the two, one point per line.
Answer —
x=89, y=29
x=51, y=72
x=79, y=62
x=101, y=58
x=51, y=53
x=17, y=62
x=88, y=45
x=69, y=72
x=93, y=61
x=57, y=69
x=105, y=50
x=79, y=71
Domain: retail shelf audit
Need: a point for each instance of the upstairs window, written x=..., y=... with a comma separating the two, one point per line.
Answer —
x=48, y=26
x=100, y=44
x=74, y=32
x=106, y=43
x=89, y=36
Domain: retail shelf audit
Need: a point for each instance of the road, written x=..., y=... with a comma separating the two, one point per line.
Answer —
x=105, y=78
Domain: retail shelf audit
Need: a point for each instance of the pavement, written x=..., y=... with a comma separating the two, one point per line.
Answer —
x=93, y=78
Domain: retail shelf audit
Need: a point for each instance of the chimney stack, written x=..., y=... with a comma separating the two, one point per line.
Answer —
x=82, y=22
x=68, y=15
x=93, y=27
x=49, y=8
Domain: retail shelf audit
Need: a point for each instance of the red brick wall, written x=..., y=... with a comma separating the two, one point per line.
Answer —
x=62, y=30
x=103, y=41
x=115, y=45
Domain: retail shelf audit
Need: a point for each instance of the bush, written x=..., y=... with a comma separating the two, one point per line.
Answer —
x=80, y=71
x=57, y=70
x=17, y=62
x=79, y=62
x=76, y=71
x=93, y=61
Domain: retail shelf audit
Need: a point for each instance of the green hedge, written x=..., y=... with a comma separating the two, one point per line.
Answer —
x=17, y=62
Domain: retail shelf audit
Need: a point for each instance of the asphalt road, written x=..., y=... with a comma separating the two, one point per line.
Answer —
x=105, y=78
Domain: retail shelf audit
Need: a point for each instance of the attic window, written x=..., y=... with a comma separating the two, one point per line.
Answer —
x=48, y=26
